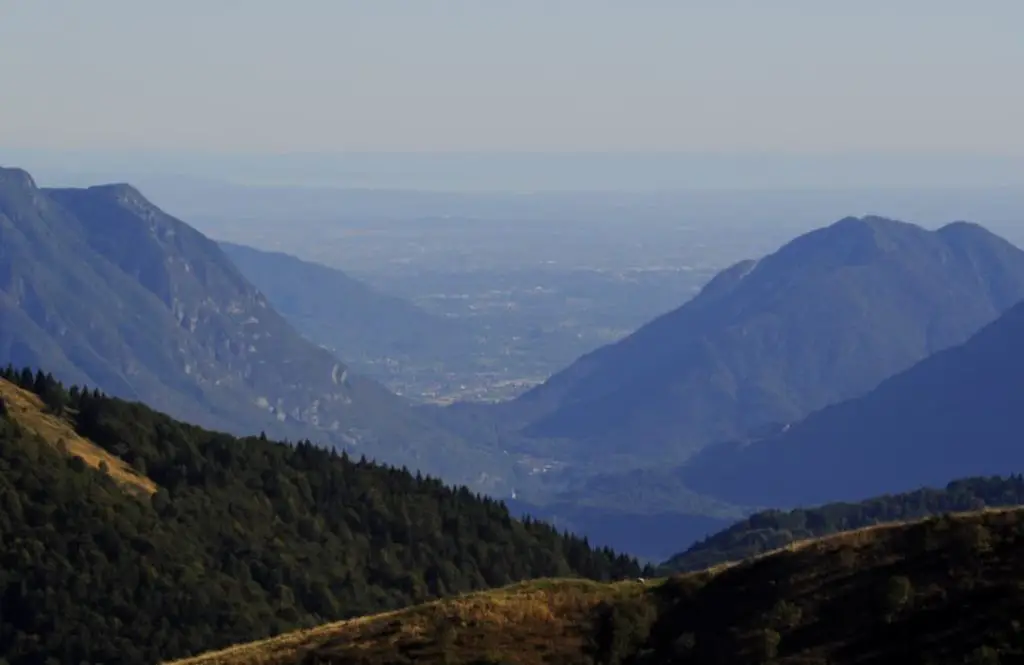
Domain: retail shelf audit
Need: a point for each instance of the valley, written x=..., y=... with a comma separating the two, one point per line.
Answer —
x=673, y=447
x=511, y=333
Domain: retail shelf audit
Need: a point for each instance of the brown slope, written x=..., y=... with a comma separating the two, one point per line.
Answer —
x=946, y=589
x=28, y=411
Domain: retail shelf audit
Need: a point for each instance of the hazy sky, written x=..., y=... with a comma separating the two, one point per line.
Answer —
x=537, y=75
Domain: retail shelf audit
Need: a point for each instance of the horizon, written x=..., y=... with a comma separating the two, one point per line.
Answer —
x=530, y=172
x=261, y=78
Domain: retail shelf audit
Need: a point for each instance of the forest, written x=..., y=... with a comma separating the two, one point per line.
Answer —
x=242, y=538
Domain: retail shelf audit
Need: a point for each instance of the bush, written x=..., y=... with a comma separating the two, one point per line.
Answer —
x=899, y=594
x=621, y=629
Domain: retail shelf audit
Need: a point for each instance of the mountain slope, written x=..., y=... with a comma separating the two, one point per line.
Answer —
x=774, y=529
x=242, y=538
x=369, y=329
x=824, y=318
x=957, y=413
x=105, y=289
x=944, y=590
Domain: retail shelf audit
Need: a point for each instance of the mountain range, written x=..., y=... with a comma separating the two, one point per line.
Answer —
x=956, y=413
x=105, y=289
x=864, y=359
x=372, y=330
x=766, y=342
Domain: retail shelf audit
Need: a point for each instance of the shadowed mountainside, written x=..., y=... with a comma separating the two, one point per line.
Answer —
x=774, y=529
x=370, y=329
x=105, y=289
x=825, y=318
x=957, y=413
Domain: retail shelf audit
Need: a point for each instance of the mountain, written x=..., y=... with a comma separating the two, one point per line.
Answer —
x=130, y=537
x=371, y=330
x=103, y=288
x=825, y=318
x=770, y=530
x=649, y=533
x=944, y=590
x=957, y=413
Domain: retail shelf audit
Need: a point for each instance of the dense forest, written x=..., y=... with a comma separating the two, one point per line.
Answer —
x=241, y=539
x=772, y=529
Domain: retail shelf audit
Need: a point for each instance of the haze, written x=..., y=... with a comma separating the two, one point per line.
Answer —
x=578, y=75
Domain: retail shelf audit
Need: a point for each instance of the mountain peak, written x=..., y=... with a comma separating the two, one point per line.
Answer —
x=872, y=221
x=824, y=318
x=847, y=242
x=961, y=227
x=869, y=226
x=15, y=177
x=128, y=197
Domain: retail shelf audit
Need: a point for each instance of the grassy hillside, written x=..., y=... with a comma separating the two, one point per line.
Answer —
x=27, y=409
x=943, y=590
x=129, y=537
x=538, y=622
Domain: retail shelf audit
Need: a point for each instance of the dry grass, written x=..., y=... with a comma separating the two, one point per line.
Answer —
x=855, y=538
x=28, y=411
x=544, y=621
x=531, y=622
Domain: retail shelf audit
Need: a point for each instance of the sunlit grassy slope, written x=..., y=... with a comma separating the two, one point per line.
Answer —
x=948, y=589
x=28, y=410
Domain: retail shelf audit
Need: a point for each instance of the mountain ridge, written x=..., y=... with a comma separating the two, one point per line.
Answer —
x=106, y=289
x=824, y=318
x=371, y=329
x=961, y=401
x=883, y=594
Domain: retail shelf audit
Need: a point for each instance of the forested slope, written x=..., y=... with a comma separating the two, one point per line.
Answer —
x=242, y=538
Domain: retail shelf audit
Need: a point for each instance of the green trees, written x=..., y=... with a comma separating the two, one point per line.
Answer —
x=773, y=529
x=244, y=538
x=620, y=629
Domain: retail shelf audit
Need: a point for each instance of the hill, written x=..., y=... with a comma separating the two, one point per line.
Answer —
x=373, y=331
x=825, y=318
x=957, y=413
x=944, y=590
x=774, y=529
x=104, y=289
x=231, y=540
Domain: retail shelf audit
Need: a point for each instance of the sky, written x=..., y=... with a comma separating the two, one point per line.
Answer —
x=248, y=77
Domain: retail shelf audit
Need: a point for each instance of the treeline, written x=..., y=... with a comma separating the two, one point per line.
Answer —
x=244, y=538
x=942, y=590
x=772, y=529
